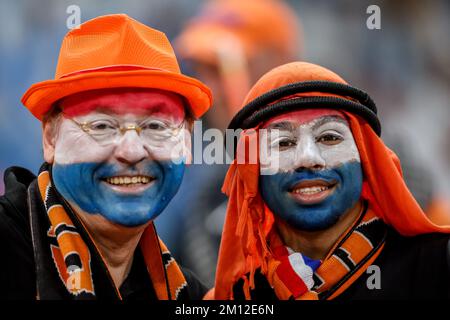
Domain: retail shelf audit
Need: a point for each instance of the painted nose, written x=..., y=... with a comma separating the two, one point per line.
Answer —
x=308, y=155
x=131, y=149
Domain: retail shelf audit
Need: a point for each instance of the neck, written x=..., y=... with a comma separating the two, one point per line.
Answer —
x=116, y=243
x=317, y=244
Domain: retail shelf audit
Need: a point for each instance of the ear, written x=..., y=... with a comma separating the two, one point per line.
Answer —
x=48, y=141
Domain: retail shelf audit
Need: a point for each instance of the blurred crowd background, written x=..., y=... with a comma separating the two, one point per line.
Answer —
x=405, y=67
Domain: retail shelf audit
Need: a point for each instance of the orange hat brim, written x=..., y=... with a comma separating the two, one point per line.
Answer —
x=40, y=97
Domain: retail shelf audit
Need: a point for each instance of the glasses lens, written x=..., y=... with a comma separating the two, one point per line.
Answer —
x=155, y=131
x=103, y=131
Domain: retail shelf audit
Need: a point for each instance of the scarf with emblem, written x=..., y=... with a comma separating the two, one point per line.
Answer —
x=295, y=276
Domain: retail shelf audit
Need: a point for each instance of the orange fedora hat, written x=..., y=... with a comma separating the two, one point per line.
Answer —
x=116, y=51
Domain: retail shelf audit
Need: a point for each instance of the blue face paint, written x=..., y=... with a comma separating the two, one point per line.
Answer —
x=320, y=216
x=82, y=184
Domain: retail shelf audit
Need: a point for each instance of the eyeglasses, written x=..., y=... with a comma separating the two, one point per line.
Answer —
x=153, y=131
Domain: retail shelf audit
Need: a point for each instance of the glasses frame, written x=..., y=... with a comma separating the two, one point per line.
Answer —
x=85, y=126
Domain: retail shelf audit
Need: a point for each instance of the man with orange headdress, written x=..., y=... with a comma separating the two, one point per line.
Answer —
x=324, y=212
x=116, y=121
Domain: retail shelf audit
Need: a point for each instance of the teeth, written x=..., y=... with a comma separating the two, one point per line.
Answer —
x=310, y=190
x=128, y=180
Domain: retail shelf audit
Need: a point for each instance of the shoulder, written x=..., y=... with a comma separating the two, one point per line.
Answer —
x=13, y=204
x=195, y=289
x=425, y=258
x=16, y=249
x=434, y=247
x=416, y=267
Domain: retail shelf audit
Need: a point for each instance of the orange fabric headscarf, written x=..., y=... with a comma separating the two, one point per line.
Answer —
x=248, y=221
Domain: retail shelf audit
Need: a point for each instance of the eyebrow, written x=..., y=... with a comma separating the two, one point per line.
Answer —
x=111, y=110
x=283, y=125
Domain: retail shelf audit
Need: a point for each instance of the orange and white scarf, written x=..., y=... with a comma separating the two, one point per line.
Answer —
x=294, y=276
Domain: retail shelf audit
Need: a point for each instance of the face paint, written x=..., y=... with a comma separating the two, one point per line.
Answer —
x=318, y=172
x=126, y=100
x=88, y=185
x=126, y=182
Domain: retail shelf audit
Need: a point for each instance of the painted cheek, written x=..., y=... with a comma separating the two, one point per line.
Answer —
x=175, y=150
x=306, y=154
x=339, y=154
x=279, y=161
x=75, y=146
x=275, y=192
x=77, y=184
x=81, y=184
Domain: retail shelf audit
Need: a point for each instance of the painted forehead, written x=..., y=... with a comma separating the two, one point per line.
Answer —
x=141, y=102
x=293, y=119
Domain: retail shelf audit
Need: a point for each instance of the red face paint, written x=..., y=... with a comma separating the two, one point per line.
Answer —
x=304, y=116
x=121, y=101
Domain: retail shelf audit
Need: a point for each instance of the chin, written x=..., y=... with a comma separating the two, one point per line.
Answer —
x=130, y=220
x=319, y=224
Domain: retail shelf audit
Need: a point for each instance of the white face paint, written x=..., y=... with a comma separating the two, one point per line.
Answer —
x=325, y=141
x=73, y=145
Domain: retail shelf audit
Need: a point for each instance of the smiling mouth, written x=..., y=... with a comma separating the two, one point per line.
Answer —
x=312, y=191
x=129, y=184
x=128, y=180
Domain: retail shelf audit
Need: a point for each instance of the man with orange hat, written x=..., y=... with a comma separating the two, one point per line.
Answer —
x=323, y=212
x=116, y=122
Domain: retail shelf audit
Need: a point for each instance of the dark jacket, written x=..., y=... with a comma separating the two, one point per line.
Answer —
x=17, y=265
x=408, y=268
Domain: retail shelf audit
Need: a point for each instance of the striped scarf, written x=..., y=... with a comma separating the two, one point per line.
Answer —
x=68, y=244
x=295, y=276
